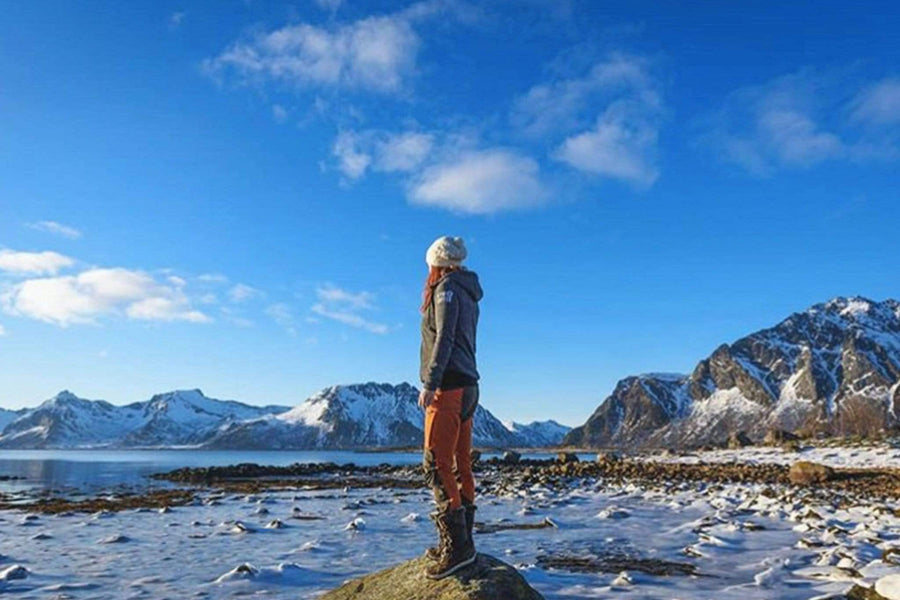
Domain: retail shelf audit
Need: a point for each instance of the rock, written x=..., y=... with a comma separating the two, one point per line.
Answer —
x=805, y=472
x=889, y=587
x=115, y=539
x=608, y=457
x=858, y=592
x=510, y=457
x=14, y=572
x=738, y=439
x=777, y=437
x=487, y=579
x=566, y=457
x=792, y=446
x=475, y=455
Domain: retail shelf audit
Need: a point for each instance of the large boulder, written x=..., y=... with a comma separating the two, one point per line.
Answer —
x=805, y=472
x=487, y=579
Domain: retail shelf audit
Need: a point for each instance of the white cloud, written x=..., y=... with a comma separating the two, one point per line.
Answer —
x=349, y=318
x=796, y=139
x=33, y=263
x=56, y=229
x=165, y=309
x=565, y=104
x=480, y=182
x=802, y=120
x=345, y=307
x=352, y=161
x=2, y=330
x=176, y=19
x=242, y=292
x=622, y=145
x=97, y=292
x=404, y=152
x=611, y=116
x=283, y=315
x=879, y=104
x=773, y=125
x=376, y=54
x=335, y=295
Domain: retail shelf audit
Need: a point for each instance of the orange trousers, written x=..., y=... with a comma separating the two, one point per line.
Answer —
x=448, y=447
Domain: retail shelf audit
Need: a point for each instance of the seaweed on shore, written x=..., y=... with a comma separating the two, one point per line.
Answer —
x=152, y=499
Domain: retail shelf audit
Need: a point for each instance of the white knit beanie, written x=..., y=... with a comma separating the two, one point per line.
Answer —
x=446, y=251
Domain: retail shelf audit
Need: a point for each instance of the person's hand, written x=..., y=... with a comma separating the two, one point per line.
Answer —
x=426, y=397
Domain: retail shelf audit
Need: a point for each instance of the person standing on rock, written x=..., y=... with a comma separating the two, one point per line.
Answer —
x=449, y=397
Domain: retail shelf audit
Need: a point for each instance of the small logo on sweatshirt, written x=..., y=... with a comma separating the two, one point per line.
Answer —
x=446, y=297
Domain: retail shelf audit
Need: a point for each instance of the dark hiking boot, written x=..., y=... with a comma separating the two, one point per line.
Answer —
x=470, y=525
x=434, y=553
x=456, y=554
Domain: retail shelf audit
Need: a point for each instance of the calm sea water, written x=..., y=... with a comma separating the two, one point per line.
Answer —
x=94, y=471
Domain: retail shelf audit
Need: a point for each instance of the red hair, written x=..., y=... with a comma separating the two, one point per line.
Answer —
x=435, y=274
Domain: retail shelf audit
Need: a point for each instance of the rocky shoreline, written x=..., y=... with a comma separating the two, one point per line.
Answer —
x=495, y=476
x=499, y=475
x=157, y=499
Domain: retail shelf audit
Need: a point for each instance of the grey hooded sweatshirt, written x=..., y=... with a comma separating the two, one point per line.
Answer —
x=448, y=332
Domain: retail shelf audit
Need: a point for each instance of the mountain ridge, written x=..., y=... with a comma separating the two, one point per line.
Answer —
x=369, y=415
x=833, y=369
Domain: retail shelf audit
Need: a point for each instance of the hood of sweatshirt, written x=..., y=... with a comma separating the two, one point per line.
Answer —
x=468, y=281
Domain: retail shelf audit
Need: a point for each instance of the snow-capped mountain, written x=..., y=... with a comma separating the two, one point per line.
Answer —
x=367, y=415
x=538, y=434
x=8, y=416
x=67, y=420
x=175, y=418
x=352, y=416
x=188, y=417
x=834, y=369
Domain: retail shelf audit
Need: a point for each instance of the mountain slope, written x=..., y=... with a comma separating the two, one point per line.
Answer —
x=171, y=419
x=188, y=417
x=538, y=434
x=834, y=368
x=8, y=416
x=67, y=420
x=352, y=416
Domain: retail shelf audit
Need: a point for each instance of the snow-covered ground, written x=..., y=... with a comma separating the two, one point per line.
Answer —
x=744, y=543
x=871, y=456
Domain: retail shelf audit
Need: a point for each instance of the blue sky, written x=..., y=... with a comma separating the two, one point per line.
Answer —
x=238, y=196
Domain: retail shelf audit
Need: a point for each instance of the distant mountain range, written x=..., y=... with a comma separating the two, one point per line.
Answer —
x=833, y=369
x=341, y=417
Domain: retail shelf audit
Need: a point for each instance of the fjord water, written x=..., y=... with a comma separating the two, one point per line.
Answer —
x=98, y=471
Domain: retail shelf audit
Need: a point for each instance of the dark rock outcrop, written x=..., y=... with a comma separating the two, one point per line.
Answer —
x=487, y=579
x=778, y=437
x=511, y=457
